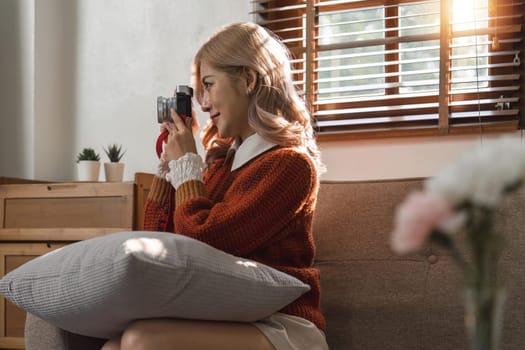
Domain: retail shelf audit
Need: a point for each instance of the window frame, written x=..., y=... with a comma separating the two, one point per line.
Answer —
x=447, y=103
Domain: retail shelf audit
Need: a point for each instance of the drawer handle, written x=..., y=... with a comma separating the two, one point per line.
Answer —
x=60, y=186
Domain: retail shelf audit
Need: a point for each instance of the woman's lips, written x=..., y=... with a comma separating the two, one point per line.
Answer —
x=214, y=117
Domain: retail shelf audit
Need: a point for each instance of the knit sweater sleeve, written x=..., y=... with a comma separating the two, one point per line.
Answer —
x=258, y=205
x=158, y=209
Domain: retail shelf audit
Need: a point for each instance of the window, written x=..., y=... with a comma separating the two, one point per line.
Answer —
x=406, y=67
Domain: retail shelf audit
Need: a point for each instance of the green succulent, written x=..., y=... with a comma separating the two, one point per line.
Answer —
x=114, y=153
x=88, y=154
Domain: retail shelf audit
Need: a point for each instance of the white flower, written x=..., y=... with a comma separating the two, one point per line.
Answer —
x=482, y=176
x=462, y=199
x=454, y=223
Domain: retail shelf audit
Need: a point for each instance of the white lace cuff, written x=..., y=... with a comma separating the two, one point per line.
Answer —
x=186, y=168
x=162, y=169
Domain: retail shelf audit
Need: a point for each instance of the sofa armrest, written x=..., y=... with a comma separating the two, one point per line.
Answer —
x=41, y=335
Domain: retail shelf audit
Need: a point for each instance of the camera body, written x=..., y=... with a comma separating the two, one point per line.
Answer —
x=180, y=102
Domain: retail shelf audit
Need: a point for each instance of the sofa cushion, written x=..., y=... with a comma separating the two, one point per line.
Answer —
x=373, y=298
x=41, y=335
x=97, y=286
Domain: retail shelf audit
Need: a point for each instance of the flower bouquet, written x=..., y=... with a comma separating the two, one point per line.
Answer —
x=459, y=204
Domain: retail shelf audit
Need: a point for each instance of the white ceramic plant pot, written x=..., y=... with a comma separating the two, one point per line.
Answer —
x=88, y=170
x=114, y=171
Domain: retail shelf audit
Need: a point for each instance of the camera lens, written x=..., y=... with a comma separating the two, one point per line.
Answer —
x=181, y=103
x=163, y=109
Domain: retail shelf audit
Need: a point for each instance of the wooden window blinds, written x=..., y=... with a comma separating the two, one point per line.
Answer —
x=406, y=67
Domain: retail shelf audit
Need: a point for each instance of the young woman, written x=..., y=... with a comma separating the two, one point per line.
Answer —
x=253, y=197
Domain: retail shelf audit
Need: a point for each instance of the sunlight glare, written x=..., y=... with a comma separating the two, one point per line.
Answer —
x=463, y=9
x=150, y=246
x=246, y=263
x=463, y=14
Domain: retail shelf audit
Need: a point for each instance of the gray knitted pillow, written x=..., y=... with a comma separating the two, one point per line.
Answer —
x=97, y=286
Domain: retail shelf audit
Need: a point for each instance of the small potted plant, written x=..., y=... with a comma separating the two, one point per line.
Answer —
x=114, y=170
x=88, y=165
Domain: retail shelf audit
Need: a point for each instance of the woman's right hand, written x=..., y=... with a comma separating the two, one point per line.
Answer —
x=191, y=123
x=181, y=139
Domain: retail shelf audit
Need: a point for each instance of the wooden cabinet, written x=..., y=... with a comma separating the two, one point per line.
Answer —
x=143, y=183
x=36, y=218
x=12, y=318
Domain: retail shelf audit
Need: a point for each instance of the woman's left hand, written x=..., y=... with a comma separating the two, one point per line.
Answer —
x=180, y=139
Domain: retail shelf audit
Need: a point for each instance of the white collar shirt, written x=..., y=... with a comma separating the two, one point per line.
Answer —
x=250, y=148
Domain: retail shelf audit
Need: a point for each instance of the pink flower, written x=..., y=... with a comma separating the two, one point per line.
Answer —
x=415, y=219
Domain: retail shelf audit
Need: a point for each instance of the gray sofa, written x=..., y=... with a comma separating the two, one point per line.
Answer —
x=373, y=299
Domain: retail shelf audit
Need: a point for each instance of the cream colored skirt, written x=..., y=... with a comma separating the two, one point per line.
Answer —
x=287, y=332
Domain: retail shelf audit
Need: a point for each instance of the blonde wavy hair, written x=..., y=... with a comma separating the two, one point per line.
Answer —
x=276, y=111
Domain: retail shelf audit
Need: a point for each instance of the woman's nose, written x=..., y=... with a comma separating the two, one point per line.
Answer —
x=205, y=103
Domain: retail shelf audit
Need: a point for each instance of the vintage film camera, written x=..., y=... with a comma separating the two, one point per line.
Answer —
x=181, y=103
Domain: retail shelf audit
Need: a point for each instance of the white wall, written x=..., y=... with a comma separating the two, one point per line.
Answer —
x=16, y=76
x=86, y=73
x=130, y=52
x=54, y=83
x=399, y=157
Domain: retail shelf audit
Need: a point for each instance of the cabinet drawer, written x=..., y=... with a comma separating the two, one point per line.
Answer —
x=64, y=211
x=12, y=318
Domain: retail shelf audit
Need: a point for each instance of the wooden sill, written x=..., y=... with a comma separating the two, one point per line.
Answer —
x=418, y=131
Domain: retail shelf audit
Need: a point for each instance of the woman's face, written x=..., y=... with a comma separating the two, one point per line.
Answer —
x=227, y=102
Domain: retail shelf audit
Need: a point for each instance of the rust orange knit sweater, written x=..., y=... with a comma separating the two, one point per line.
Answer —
x=261, y=211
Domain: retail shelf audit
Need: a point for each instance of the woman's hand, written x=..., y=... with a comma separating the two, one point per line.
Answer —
x=180, y=140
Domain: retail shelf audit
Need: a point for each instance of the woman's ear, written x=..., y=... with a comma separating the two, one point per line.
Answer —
x=251, y=79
